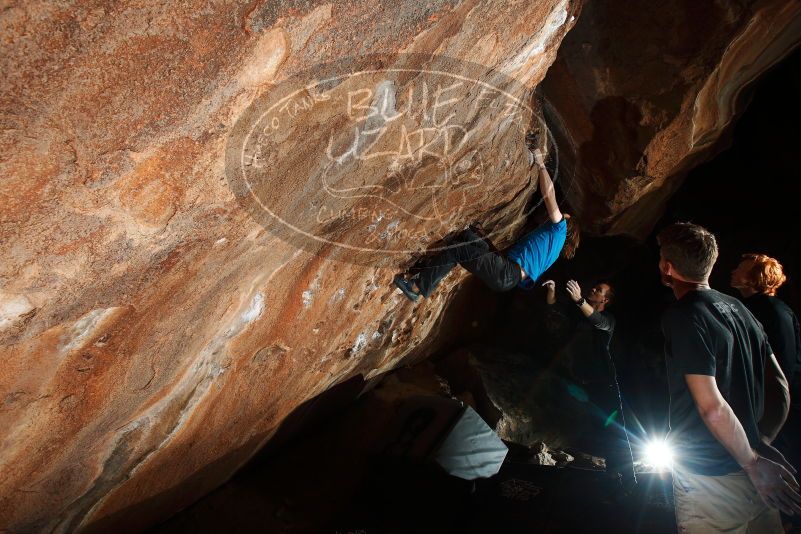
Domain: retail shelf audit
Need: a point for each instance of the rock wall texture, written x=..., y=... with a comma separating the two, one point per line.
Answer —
x=643, y=91
x=184, y=264
x=154, y=330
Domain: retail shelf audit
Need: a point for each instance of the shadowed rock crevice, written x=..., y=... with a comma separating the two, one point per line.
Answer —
x=156, y=330
x=643, y=92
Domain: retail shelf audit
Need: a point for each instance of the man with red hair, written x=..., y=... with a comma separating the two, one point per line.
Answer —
x=757, y=278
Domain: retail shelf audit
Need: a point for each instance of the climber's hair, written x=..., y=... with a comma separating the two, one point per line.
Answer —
x=572, y=238
x=766, y=274
x=692, y=250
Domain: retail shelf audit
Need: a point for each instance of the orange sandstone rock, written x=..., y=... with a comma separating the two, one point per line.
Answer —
x=153, y=333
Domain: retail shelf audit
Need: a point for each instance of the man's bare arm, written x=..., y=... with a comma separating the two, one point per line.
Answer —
x=774, y=483
x=547, y=189
x=574, y=290
x=777, y=400
x=720, y=418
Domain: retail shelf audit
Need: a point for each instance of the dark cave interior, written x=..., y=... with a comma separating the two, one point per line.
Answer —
x=318, y=479
x=746, y=195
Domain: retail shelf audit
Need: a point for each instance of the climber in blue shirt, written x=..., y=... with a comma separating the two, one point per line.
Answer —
x=521, y=266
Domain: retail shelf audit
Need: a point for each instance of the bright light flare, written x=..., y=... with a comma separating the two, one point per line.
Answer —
x=658, y=455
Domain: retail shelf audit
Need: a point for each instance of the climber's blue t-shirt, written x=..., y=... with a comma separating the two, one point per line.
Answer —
x=538, y=250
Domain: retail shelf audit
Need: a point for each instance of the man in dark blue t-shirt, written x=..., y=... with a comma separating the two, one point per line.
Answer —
x=523, y=264
x=726, y=478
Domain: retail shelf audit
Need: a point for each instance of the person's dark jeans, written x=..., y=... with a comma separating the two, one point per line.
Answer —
x=470, y=251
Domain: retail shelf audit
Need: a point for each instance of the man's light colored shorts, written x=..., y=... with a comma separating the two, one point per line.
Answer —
x=727, y=503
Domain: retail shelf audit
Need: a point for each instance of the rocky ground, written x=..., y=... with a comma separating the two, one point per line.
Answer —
x=335, y=479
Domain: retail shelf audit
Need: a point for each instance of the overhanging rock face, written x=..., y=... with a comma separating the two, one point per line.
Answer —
x=643, y=91
x=203, y=205
x=156, y=326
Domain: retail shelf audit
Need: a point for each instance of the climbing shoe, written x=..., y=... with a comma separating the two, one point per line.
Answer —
x=406, y=286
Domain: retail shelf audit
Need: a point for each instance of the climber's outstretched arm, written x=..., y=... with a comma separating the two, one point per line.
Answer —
x=547, y=189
